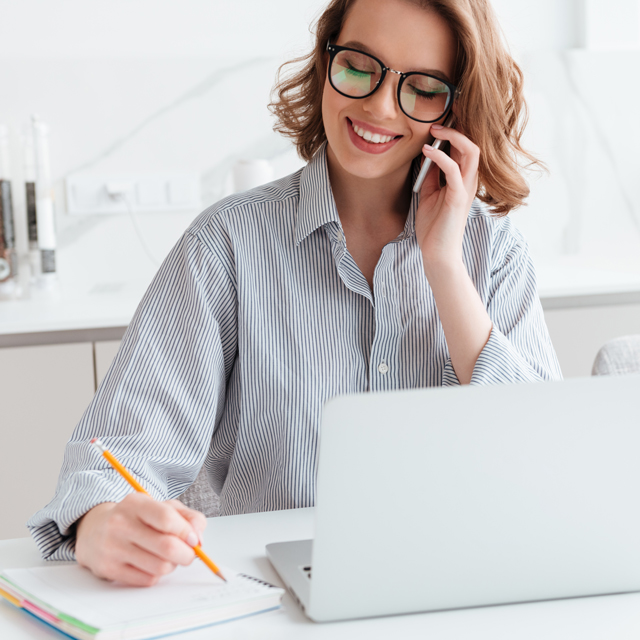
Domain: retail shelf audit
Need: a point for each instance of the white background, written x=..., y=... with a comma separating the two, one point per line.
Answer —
x=136, y=86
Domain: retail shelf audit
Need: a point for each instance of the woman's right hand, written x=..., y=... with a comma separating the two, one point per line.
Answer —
x=138, y=540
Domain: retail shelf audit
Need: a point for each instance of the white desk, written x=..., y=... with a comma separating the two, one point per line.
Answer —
x=239, y=541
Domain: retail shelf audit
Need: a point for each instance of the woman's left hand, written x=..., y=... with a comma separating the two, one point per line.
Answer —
x=442, y=214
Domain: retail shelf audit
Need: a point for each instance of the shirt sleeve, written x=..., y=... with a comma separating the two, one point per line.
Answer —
x=519, y=348
x=161, y=399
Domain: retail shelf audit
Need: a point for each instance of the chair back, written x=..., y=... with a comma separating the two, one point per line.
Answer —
x=618, y=357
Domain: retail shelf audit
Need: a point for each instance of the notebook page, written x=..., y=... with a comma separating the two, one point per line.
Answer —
x=76, y=592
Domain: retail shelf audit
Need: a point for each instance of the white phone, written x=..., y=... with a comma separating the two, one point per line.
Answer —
x=426, y=165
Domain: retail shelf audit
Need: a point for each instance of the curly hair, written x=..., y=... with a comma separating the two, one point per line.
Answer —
x=489, y=80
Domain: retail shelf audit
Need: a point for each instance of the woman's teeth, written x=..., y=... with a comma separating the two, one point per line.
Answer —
x=371, y=137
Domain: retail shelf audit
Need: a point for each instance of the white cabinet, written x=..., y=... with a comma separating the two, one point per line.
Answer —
x=579, y=333
x=43, y=392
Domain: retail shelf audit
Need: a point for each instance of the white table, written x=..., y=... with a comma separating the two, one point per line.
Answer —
x=239, y=541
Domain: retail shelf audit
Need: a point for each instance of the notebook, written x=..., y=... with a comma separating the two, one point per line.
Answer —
x=71, y=599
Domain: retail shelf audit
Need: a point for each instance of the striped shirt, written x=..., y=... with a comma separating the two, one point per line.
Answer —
x=258, y=315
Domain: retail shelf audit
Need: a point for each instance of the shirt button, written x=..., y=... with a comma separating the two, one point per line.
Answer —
x=339, y=235
x=382, y=368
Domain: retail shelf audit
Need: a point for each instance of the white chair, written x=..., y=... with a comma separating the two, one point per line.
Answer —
x=618, y=357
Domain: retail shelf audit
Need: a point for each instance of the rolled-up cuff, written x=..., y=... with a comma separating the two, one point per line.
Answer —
x=53, y=528
x=498, y=362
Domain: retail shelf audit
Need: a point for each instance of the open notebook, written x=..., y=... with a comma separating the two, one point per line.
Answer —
x=74, y=601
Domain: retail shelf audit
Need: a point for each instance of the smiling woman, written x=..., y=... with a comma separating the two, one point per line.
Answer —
x=488, y=79
x=336, y=279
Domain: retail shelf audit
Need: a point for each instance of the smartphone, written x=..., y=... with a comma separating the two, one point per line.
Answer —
x=426, y=165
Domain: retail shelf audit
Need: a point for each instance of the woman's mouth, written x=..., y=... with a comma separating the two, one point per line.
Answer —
x=370, y=141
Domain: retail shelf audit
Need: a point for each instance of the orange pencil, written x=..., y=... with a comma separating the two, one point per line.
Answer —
x=111, y=459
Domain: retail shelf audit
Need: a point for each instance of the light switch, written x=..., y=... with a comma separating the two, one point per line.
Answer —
x=88, y=193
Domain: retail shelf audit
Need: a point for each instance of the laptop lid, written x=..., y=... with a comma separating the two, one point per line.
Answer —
x=443, y=498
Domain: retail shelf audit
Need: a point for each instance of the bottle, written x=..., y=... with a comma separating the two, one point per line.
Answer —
x=30, y=201
x=44, y=205
x=8, y=257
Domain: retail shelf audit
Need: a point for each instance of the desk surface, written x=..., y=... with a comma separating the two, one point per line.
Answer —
x=239, y=541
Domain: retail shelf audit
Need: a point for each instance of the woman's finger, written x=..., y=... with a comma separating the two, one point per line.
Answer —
x=451, y=170
x=164, y=546
x=164, y=517
x=431, y=183
x=149, y=563
x=468, y=152
x=197, y=519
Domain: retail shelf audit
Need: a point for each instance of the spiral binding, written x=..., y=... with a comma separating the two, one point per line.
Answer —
x=262, y=582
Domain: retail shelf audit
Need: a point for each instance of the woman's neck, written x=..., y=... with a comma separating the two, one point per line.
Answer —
x=370, y=203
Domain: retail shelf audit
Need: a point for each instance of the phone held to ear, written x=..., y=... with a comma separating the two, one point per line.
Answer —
x=426, y=165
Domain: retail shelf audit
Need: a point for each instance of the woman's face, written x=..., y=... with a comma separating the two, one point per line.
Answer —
x=404, y=37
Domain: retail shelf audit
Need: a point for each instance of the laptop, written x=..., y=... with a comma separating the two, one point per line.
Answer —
x=445, y=498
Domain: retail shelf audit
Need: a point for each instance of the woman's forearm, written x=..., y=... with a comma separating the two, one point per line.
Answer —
x=464, y=319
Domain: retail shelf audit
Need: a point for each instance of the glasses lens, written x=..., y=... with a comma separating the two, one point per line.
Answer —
x=355, y=74
x=424, y=98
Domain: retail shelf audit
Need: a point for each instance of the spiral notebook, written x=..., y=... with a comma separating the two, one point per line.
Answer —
x=71, y=599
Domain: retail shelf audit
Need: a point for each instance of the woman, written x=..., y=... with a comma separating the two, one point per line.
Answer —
x=336, y=279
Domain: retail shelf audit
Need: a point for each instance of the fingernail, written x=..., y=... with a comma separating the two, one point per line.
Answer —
x=428, y=146
x=192, y=539
x=437, y=126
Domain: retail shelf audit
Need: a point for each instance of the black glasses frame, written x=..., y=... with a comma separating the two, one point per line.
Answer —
x=334, y=49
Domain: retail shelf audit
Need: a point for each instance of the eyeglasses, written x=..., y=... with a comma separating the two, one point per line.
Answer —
x=422, y=97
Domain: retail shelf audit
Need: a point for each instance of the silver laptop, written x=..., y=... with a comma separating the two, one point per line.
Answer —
x=444, y=498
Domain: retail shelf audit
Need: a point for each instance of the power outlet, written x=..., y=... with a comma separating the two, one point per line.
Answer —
x=89, y=194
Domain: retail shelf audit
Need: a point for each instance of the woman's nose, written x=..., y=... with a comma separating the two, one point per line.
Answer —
x=383, y=104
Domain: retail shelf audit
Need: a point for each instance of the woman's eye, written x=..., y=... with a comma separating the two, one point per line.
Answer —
x=358, y=72
x=426, y=95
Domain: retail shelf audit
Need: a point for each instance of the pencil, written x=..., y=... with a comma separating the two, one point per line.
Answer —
x=111, y=459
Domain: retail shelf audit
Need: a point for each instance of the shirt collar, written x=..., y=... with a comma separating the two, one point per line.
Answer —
x=317, y=206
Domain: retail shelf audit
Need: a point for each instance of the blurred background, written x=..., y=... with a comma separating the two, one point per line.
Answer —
x=157, y=101
x=146, y=91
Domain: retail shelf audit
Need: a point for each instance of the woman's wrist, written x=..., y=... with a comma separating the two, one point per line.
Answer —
x=464, y=318
x=85, y=524
x=445, y=268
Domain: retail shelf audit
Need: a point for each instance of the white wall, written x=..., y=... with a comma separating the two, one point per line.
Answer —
x=146, y=85
x=193, y=28
x=542, y=24
x=153, y=28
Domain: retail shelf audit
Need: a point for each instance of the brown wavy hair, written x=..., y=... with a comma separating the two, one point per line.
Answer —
x=489, y=80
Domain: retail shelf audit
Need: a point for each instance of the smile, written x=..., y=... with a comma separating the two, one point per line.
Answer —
x=376, y=138
x=376, y=142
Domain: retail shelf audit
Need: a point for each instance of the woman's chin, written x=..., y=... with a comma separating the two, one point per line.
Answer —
x=371, y=167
